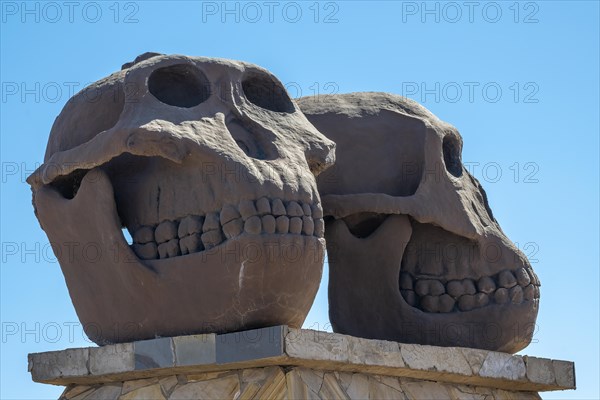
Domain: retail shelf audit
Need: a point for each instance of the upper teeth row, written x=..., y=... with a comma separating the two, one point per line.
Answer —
x=432, y=295
x=195, y=233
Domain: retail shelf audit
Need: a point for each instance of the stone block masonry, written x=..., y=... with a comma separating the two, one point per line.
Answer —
x=280, y=362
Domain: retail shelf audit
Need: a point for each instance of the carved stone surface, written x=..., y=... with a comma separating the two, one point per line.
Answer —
x=415, y=253
x=210, y=167
x=326, y=365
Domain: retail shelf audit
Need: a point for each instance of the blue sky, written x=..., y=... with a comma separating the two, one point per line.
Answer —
x=520, y=80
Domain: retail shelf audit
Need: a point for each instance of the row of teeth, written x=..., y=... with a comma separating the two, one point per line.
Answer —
x=433, y=295
x=196, y=233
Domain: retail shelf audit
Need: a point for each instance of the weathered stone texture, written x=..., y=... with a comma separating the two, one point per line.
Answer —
x=292, y=384
x=281, y=362
x=188, y=269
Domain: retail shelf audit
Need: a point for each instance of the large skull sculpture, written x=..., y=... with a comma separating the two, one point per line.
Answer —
x=415, y=254
x=210, y=166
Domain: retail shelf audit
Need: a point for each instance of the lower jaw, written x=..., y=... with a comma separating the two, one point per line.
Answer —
x=507, y=328
x=442, y=272
x=376, y=309
x=248, y=249
x=247, y=282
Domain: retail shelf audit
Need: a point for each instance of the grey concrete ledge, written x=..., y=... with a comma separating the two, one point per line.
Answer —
x=302, y=348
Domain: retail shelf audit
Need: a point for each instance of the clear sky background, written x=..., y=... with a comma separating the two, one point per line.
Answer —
x=530, y=128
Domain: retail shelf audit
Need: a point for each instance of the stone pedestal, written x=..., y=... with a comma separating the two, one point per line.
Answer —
x=282, y=363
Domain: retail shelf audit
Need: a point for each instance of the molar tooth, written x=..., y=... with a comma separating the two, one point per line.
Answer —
x=306, y=209
x=308, y=226
x=169, y=249
x=501, y=296
x=486, y=285
x=145, y=234
x=263, y=206
x=533, y=276
x=247, y=209
x=293, y=209
x=283, y=224
x=165, y=231
x=317, y=211
x=195, y=225
x=190, y=225
x=481, y=300
x=529, y=292
x=431, y=303
x=410, y=297
x=268, y=223
x=468, y=286
x=253, y=225
x=295, y=225
x=436, y=288
x=446, y=303
x=191, y=244
x=522, y=277
x=182, y=229
x=406, y=282
x=319, y=227
x=233, y=228
x=506, y=279
x=228, y=214
x=211, y=223
x=466, y=302
x=516, y=294
x=455, y=288
x=278, y=208
x=211, y=239
x=422, y=287
x=146, y=251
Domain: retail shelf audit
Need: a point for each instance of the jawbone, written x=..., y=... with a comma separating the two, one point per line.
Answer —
x=362, y=267
x=248, y=281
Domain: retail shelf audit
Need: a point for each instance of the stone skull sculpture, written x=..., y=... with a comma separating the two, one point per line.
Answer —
x=211, y=167
x=415, y=254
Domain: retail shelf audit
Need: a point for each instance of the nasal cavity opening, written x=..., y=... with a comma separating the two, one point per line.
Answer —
x=180, y=85
x=256, y=142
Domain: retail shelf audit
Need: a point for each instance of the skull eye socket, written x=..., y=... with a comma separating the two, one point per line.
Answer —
x=267, y=93
x=180, y=85
x=452, y=155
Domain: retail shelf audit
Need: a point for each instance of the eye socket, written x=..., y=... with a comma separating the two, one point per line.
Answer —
x=180, y=85
x=267, y=93
x=452, y=155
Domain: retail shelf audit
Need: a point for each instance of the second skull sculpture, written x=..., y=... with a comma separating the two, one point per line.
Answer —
x=415, y=253
x=210, y=166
